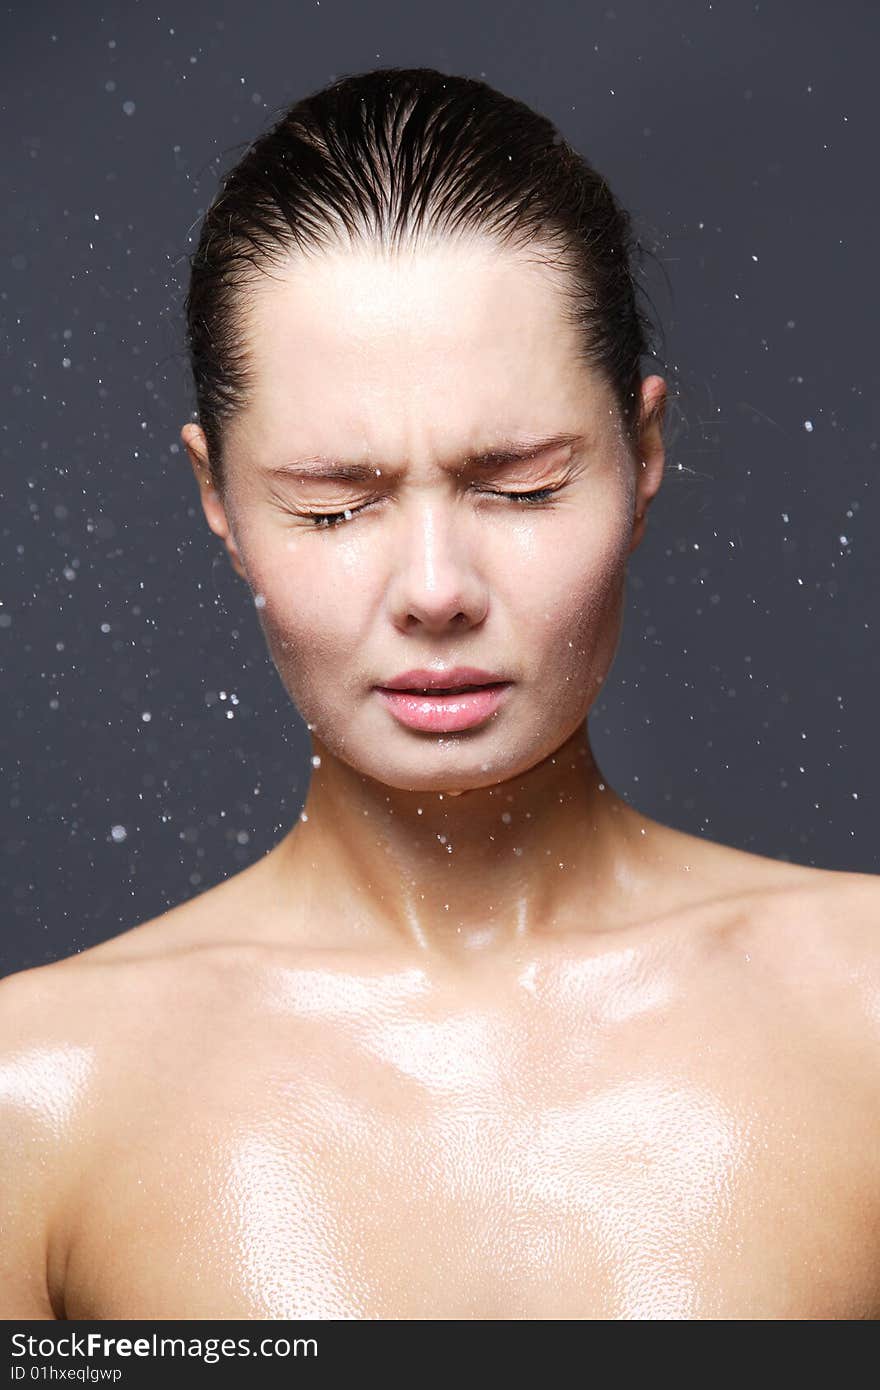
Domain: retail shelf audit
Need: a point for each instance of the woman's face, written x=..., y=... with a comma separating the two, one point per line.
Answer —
x=411, y=367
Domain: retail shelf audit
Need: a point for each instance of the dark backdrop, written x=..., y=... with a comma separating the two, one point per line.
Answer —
x=149, y=749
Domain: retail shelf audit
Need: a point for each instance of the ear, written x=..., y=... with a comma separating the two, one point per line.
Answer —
x=193, y=439
x=651, y=453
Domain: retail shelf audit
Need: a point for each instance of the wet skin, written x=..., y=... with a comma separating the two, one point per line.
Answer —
x=209, y=1116
x=434, y=1059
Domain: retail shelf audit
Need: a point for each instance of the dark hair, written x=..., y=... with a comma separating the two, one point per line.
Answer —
x=392, y=155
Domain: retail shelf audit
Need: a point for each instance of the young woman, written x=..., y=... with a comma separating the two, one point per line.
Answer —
x=476, y=1039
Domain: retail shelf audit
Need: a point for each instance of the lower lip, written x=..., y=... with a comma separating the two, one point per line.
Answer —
x=444, y=714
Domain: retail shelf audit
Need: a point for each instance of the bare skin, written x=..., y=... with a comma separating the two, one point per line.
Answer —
x=477, y=1039
x=676, y=1118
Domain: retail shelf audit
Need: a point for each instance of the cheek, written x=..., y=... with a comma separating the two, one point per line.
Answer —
x=308, y=613
x=570, y=616
x=570, y=585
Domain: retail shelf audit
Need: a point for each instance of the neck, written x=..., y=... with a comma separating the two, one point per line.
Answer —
x=550, y=851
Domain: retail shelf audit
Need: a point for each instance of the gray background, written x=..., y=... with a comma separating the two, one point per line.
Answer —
x=148, y=747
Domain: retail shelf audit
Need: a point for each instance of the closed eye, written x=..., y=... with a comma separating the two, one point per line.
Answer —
x=331, y=519
x=540, y=494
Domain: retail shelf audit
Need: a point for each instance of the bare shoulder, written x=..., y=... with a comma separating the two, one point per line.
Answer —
x=770, y=895
x=78, y=1021
x=78, y=1038
x=810, y=936
x=238, y=917
x=58, y=1022
x=45, y=1072
x=825, y=925
x=818, y=943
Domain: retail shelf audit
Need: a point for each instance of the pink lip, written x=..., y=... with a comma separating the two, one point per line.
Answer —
x=445, y=714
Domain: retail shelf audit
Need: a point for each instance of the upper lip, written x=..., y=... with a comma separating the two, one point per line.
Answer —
x=422, y=679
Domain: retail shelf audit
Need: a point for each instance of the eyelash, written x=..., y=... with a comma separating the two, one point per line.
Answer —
x=325, y=520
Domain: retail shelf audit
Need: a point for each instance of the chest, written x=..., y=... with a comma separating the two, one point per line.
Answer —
x=669, y=1184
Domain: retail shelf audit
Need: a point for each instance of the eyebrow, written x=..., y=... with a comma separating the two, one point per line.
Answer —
x=507, y=451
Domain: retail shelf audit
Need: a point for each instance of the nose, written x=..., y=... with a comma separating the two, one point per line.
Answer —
x=433, y=578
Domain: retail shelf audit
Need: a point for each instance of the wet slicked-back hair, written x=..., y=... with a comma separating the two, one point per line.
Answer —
x=397, y=158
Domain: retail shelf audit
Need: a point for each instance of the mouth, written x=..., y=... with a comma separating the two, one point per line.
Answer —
x=440, y=690
x=447, y=709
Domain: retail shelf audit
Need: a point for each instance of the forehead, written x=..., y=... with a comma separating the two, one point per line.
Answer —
x=436, y=349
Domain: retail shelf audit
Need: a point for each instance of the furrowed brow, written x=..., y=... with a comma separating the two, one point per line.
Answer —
x=507, y=452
